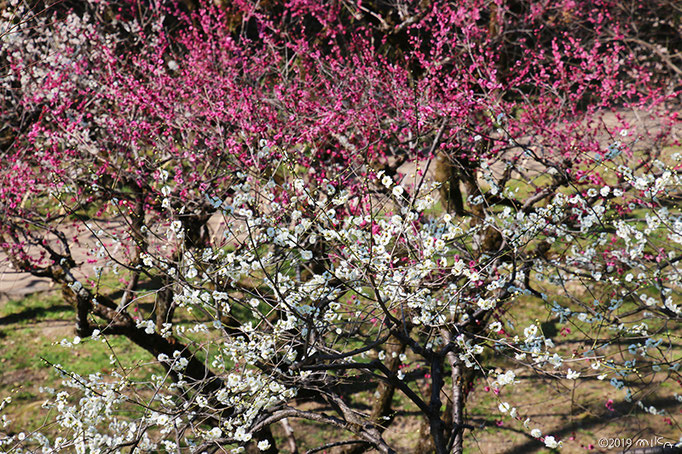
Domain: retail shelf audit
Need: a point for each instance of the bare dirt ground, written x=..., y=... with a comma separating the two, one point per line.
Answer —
x=16, y=284
x=87, y=253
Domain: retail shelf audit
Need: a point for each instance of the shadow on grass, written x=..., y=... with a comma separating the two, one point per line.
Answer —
x=32, y=314
x=532, y=445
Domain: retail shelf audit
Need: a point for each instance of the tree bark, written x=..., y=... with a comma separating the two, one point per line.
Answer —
x=381, y=409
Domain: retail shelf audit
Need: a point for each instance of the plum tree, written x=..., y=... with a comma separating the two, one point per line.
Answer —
x=393, y=182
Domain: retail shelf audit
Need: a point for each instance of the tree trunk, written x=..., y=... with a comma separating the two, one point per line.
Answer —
x=425, y=441
x=457, y=407
x=381, y=408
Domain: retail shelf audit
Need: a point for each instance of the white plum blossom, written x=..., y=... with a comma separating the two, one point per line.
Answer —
x=506, y=378
x=572, y=375
x=397, y=190
x=551, y=442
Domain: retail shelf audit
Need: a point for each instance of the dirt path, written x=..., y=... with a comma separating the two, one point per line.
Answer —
x=87, y=252
x=16, y=284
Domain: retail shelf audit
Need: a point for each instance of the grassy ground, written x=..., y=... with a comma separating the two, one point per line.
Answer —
x=30, y=332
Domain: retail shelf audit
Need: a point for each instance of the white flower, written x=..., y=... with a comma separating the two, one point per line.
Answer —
x=530, y=332
x=439, y=245
x=214, y=433
x=495, y=326
x=536, y=433
x=76, y=340
x=241, y=435
x=485, y=304
x=398, y=191
x=147, y=260
x=306, y=255
x=263, y=445
x=572, y=375
x=458, y=267
x=624, y=133
x=506, y=378
x=556, y=360
x=504, y=407
x=605, y=191
x=387, y=181
x=551, y=442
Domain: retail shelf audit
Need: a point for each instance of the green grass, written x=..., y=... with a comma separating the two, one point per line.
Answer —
x=30, y=331
x=34, y=308
x=24, y=348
